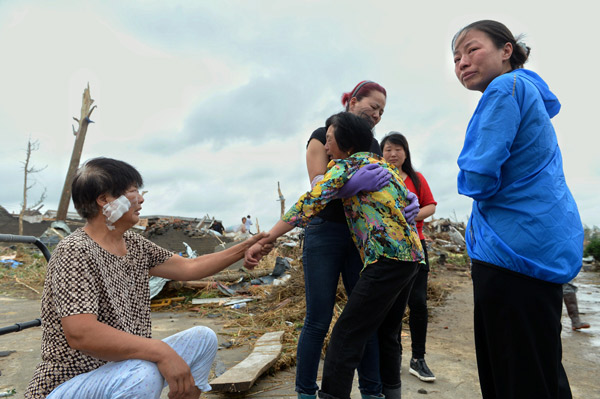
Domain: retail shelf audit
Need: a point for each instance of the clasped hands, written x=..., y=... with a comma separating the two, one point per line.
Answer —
x=258, y=246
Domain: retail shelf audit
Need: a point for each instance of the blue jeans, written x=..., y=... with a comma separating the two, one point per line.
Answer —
x=328, y=252
x=140, y=379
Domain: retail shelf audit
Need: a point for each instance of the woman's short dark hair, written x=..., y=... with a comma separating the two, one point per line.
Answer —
x=101, y=176
x=352, y=133
x=399, y=139
x=499, y=34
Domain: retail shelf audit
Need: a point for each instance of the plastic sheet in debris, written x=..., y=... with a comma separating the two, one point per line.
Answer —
x=277, y=276
x=158, y=283
x=56, y=232
x=189, y=251
x=11, y=262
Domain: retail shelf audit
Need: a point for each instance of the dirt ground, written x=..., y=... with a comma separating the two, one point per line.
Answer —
x=450, y=348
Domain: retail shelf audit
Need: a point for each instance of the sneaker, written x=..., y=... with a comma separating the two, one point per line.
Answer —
x=419, y=369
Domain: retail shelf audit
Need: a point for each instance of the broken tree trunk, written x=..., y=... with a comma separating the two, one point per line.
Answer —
x=281, y=200
x=84, y=121
x=243, y=375
x=28, y=170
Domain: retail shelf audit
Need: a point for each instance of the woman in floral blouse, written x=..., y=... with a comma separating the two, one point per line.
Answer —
x=389, y=247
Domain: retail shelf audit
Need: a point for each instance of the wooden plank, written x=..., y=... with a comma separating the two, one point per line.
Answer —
x=220, y=300
x=243, y=375
x=223, y=301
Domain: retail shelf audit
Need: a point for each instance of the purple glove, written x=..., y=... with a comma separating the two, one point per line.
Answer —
x=371, y=177
x=411, y=211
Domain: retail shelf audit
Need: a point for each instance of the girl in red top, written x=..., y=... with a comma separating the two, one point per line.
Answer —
x=396, y=152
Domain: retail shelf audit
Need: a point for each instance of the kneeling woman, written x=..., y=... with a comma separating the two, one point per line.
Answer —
x=96, y=330
x=389, y=247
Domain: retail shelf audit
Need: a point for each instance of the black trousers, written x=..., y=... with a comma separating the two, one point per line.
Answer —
x=417, y=303
x=376, y=304
x=517, y=335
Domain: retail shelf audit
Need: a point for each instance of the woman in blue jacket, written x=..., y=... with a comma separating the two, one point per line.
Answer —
x=524, y=235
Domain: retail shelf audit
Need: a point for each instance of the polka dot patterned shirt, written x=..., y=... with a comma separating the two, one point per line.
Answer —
x=82, y=277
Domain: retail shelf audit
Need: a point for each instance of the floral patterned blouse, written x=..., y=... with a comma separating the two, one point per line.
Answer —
x=375, y=219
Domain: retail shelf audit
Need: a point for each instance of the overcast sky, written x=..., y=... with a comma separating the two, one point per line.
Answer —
x=213, y=101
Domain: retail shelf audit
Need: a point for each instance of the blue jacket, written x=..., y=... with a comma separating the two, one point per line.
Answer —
x=524, y=217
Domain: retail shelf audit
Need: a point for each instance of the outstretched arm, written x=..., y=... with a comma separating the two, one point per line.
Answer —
x=308, y=206
x=185, y=269
x=263, y=246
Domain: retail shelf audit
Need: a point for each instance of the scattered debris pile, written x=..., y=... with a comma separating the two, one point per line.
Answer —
x=202, y=235
x=159, y=225
x=446, y=243
x=22, y=270
x=271, y=297
x=260, y=301
x=266, y=299
x=56, y=232
x=35, y=225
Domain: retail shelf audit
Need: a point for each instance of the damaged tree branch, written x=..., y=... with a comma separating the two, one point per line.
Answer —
x=84, y=121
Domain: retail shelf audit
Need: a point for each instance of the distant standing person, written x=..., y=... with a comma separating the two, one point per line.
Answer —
x=570, y=298
x=396, y=152
x=248, y=223
x=242, y=227
x=524, y=236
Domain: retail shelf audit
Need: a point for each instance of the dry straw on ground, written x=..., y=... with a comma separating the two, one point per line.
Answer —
x=27, y=278
x=283, y=307
x=277, y=308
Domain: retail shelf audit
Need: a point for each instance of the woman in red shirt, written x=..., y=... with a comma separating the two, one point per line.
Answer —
x=396, y=152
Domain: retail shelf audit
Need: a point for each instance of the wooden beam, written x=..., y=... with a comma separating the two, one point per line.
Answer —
x=243, y=375
x=224, y=301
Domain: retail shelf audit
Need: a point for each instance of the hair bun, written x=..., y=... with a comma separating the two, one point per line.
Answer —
x=525, y=47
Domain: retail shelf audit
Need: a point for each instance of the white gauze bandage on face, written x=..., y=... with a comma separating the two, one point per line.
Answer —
x=114, y=210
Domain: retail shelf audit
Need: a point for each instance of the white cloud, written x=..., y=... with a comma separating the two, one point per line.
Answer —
x=214, y=101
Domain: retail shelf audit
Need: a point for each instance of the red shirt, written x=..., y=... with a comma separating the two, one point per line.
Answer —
x=424, y=195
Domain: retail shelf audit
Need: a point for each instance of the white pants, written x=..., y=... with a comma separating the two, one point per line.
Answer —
x=140, y=379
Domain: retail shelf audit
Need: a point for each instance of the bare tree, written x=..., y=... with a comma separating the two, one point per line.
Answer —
x=84, y=121
x=281, y=200
x=28, y=170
